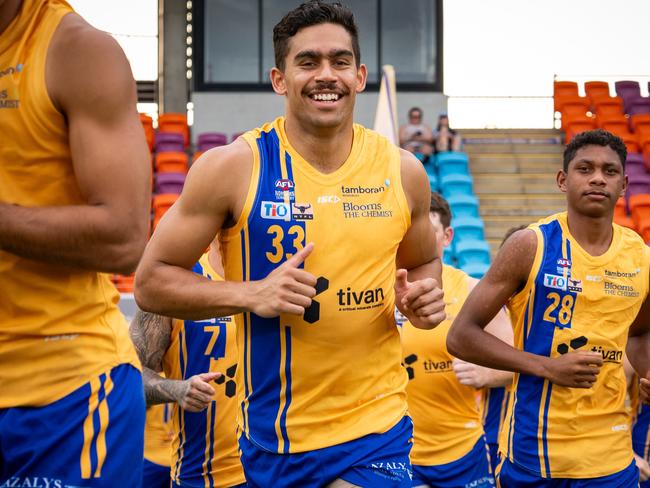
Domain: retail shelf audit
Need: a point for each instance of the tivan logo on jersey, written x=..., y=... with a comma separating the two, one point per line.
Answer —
x=275, y=211
x=563, y=266
x=609, y=355
x=302, y=211
x=350, y=299
x=555, y=281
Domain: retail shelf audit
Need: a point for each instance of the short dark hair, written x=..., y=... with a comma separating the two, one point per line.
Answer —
x=597, y=137
x=313, y=12
x=511, y=231
x=415, y=109
x=440, y=206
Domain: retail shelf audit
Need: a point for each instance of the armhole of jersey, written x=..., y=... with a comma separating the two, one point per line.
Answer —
x=229, y=233
x=534, y=269
x=400, y=194
x=170, y=358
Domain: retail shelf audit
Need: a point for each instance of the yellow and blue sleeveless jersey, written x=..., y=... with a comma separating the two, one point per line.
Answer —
x=445, y=413
x=158, y=434
x=575, y=301
x=493, y=409
x=204, y=449
x=333, y=374
x=53, y=318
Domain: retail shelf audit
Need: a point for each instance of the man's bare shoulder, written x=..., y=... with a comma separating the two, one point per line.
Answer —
x=85, y=62
x=515, y=258
x=232, y=160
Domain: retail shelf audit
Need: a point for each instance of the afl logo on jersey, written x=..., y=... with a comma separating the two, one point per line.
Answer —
x=284, y=184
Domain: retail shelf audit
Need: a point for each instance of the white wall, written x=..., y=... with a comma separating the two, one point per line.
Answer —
x=232, y=112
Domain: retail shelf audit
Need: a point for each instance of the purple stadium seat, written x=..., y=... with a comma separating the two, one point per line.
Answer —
x=169, y=183
x=627, y=90
x=634, y=165
x=169, y=142
x=638, y=105
x=638, y=184
x=208, y=140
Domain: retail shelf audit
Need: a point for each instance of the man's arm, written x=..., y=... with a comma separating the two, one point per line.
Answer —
x=151, y=336
x=213, y=197
x=638, y=348
x=479, y=376
x=90, y=82
x=418, y=287
x=468, y=340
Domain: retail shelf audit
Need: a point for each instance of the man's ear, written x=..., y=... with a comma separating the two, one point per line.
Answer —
x=278, y=81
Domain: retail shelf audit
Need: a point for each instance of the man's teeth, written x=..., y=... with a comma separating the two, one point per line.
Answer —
x=326, y=97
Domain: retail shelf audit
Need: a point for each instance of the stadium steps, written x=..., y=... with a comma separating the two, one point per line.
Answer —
x=514, y=176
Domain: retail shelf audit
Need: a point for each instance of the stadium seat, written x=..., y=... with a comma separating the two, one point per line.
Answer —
x=627, y=90
x=448, y=258
x=476, y=270
x=175, y=122
x=634, y=164
x=196, y=155
x=463, y=205
x=433, y=182
x=208, y=140
x=621, y=216
x=472, y=251
x=168, y=142
x=596, y=89
x=639, y=120
x=456, y=185
x=149, y=132
x=169, y=182
x=572, y=105
x=171, y=162
x=640, y=209
x=638, y=105
x=565, y=89
x=608, y=106
x=573, y=125
x=615, y=123
x=643, y=138
x=450, y=163
x=637, y=184
x=467, y=228
x=161, y=204
x=124, y=284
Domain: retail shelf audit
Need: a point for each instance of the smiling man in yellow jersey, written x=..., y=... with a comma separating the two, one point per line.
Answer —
x=192, y=354
x=74, y=205
x=449, y=447
x=313, y=213
x=574, y=284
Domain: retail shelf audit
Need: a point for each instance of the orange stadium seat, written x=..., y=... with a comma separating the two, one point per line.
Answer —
x=620, y=214
x=631, y=142
x=124, y=284
x=572, y=125
x=643, y=138
x=608, y=105
x=615, y=123
x=171, y=162
x=596, y=89
x=149, y=132
x=161, y=204
x=572, y=105
x=173, y=122
x=640, y=209
x=565, y=88
x=639, y=120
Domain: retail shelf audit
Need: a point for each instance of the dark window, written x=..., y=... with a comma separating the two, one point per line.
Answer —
x=233, y=41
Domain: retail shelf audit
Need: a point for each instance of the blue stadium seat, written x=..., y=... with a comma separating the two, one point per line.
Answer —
x=472, y=251
x=452, y=163
x=433, y=182
x=463, y=205
x=476, y=270
x=448, y=257
x=467, y=228
x=456, y=185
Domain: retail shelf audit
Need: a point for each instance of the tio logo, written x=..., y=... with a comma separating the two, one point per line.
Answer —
x=275, y=211
x=555, y=281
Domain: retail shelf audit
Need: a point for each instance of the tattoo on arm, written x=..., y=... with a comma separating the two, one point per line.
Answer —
x=161, y=390
x=151, y=335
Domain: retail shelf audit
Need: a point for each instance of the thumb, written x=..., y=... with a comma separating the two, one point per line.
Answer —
x=208, y=377
x=401, y=280
x=297, y=259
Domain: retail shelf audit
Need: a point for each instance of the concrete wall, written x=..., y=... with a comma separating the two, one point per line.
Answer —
x=232, y=112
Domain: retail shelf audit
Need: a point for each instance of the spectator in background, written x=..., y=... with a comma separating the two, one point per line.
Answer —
x=444, y=138
x=415, y=136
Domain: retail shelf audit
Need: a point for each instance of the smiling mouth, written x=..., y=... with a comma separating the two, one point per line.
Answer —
x=325, y=97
